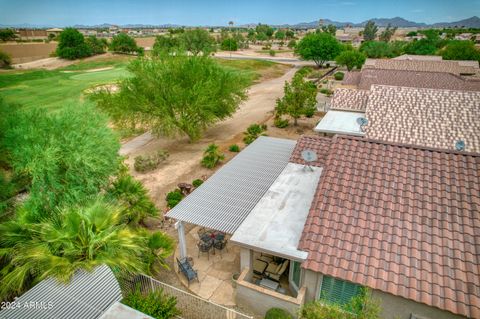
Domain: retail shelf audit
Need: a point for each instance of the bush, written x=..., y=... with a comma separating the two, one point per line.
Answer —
x=156, y=304
x=292, y=43
x=5, y=60
x=146, y=163
x=278, y=313
x=212, y=156
x=339, y=76
x=173, y=198
x=123, y=43
x=96, y=45
x=310, y=112
x=197, y=182
x=133, y=197
x=271, y=52
x=317, y=310
x=234, y=148
x=327, y=92
x=253, y=132
x=280, y=123
x=229, y=45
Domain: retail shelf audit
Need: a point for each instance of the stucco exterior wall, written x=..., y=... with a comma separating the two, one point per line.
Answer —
x=394, y=307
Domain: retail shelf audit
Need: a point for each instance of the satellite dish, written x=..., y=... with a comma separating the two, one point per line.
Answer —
x=308, y=156
x=362, y=121
x=460, y=145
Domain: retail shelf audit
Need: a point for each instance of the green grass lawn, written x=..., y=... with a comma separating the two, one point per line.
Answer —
x=56, y=88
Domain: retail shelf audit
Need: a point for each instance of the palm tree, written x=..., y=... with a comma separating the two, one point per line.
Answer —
x=80, y=238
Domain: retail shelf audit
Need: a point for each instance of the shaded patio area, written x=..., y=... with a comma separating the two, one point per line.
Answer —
x=215, y=271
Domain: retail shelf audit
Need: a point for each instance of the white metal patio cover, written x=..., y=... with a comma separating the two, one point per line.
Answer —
x=88, y=295
x=227, y=197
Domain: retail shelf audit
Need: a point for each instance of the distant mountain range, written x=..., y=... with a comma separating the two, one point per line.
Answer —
x=473, y=22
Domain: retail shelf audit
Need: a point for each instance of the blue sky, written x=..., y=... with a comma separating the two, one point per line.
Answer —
x=212, y=12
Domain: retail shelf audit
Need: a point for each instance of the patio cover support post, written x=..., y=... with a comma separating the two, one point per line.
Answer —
x=181, y=239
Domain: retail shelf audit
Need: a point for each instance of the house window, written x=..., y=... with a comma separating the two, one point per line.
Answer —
x=338, y=291
x=296, y=273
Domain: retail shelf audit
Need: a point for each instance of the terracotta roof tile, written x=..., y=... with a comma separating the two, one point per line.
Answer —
x=398, y=218
x=365, y=78
x=349, y=100
x=321, y=146
x=448, y=66
x=425, y=117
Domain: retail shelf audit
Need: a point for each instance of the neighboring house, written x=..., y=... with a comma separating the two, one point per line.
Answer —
x=31, y=34
x=448, y=66
x=464, y=36
x=88, y=295
x=418, y=57
x=399, y=219
x=54, y=31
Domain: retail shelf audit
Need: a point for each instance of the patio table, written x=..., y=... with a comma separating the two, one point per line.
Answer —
x=270, y=284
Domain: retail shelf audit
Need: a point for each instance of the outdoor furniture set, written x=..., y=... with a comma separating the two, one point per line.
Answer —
x=211, y=240
x=268, y=271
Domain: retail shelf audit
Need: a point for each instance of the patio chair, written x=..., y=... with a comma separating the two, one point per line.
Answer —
x=274, y=271
x=259, y=267
x=187, y=269
x=220, y=245
x=204, y=247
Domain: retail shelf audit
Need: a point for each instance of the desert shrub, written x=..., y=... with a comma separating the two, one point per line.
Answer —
x=253, y=132
x=71, y=45
x=197, y=182
x=131, y=194
x=317, y=310
x=173, y=198
x=278, y=313
x=123, y=43
x=267, y=46
x=5, y=60
x=304, y=71
x=310, y=112
x=339, y=76
x=327, y=92
x=146, y=163
x=234, y=148
x=229, y=45
x=156, y=304
x=212, y=156
x=279, y=122
x=271, y=52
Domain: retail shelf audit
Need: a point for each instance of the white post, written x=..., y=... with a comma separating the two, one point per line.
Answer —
x=181, y=239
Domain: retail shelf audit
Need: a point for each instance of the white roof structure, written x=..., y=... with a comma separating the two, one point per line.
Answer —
x=341, y=122
x=276, y=223
x=88, y=295
x=225, y=199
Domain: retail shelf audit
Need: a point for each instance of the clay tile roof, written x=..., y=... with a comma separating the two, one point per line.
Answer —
x=449, y=66
x=321, y=146
x=425, y=117
x=349, y=100
x=401, y=219
x=435, y=80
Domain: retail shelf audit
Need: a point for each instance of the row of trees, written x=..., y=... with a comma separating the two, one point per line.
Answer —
x=82, y=209
x=73, y=45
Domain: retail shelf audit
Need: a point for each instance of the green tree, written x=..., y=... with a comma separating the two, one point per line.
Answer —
x=460, y=50
x=175, y=95
x=166, y=45
x=319, y=47
x=96, y=45
x=123, y=43
x=412, y=34
x=265, y=29
x=387, y=34
x=7, y=35
x=79, y=237
x=370, y=31
x=280, y=35
x=351, y=59
x=229, y=45
x=331, y=29
x=261, y=37
x=299, y=98
x=5, y=60
x=212, y=156
x=198, y=41
x=60, y=154
x=292, y=44
x=421, y=47
x=289, y=34
x=71, y=45
x=376, y=49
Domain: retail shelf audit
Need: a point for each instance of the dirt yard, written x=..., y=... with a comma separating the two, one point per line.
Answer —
x=26, y=52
